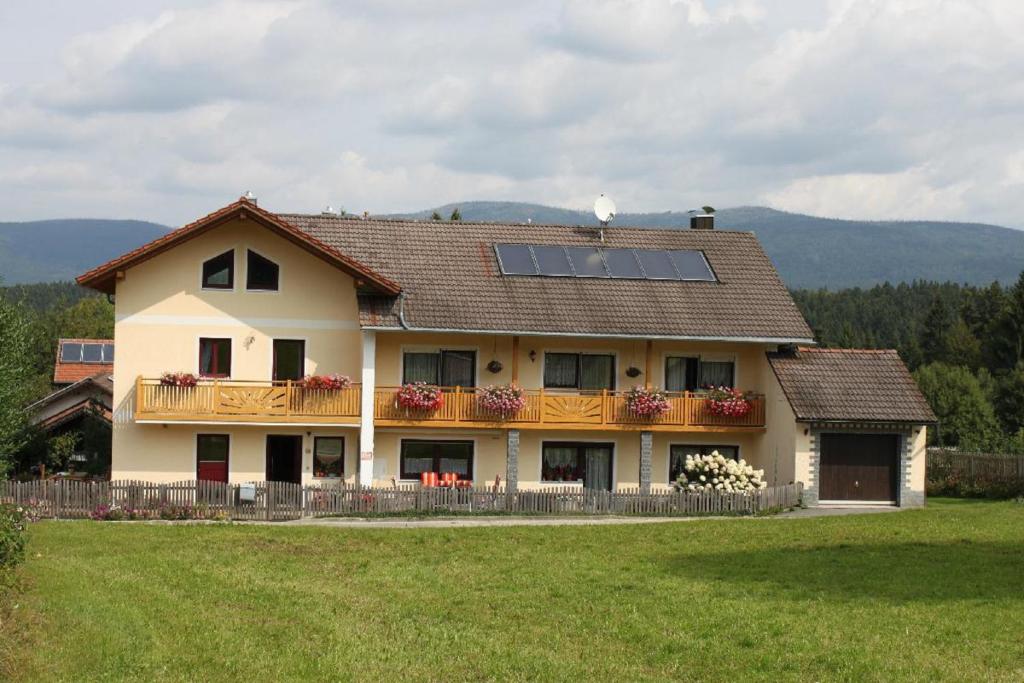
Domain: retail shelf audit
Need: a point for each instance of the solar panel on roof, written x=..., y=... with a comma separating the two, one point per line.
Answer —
x=108, y=353
x=70, y=352
x=92, y=353
x=657, y=265
x=516, y=259
x=622, y=263
x=692, y=265
x=552, y=260
x=636, y=264
x=587, y=261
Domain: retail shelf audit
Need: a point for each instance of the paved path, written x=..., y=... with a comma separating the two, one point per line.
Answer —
x=460, y=522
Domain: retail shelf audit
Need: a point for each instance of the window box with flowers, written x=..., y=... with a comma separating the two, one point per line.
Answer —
x=419, y=397
x=501, y=400
x=178, y=379
x=727, y=402
x=325, y=382
x=646, y=404
x=319, y=393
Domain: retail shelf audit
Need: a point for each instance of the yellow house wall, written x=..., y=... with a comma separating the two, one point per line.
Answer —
x=162, y=311
x=918, y=453
x=749, y=358
x=162, y=454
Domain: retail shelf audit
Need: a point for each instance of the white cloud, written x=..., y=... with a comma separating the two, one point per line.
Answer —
x=165, y=110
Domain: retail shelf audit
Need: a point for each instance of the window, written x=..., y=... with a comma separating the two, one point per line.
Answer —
x=86, y=352
x=261, y=274
x=677, y=456
x=588, y=463
x=329, y=457
x=689, y=374
x=289, y=359
x=445, y=368
x=212, y=457
x=579, y=371
x=219, y=272
x=436, y=456
x=214, y=357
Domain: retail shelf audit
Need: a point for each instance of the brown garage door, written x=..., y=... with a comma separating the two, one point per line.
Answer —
x=859, y=467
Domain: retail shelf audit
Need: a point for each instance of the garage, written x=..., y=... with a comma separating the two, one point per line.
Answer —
x=860, y=425
x=859, y=467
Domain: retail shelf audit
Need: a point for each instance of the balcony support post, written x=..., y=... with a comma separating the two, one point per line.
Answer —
x=647, y=363
x=515, y=359
x=512, y=462
x=366, y=408
x=646, y=450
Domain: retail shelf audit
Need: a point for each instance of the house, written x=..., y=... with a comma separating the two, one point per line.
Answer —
x=252, y=302
x=81, y=401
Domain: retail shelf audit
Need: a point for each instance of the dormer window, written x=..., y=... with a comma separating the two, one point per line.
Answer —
x=219, y=272
x=261, y=273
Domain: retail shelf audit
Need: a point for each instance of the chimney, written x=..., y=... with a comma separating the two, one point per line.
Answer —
x=703, y=221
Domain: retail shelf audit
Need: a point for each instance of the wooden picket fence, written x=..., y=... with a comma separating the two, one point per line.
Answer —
x=943, y=463
x=277, y=501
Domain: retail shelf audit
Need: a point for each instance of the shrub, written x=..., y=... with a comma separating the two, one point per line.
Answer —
x=979, y=486
x=14, y=521
x=326, y=382
x=420, y=396
x=647, y=403
x=727, y=402
x=501, y=399
x=117, y=513
x=715, y=472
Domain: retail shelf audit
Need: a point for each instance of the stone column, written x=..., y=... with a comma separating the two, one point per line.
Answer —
x=646, y=449
x=366, y=408
x=512, y=462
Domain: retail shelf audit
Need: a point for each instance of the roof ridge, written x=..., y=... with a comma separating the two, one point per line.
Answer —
x=518, y=224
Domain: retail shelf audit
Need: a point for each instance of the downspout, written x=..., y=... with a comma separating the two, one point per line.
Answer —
x=401, y=311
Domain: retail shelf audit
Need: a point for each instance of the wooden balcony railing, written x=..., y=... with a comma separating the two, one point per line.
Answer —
x=563, y=410
x=288, y=402
x=240, y=401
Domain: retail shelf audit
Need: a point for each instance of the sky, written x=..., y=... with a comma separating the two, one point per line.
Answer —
x=164, y=110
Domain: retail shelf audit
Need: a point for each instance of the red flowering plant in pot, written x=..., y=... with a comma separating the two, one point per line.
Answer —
x=503, y=400
x=419, y=396
x=647, y=403
x=727, y=402
x=326, y=382
x=178, y=379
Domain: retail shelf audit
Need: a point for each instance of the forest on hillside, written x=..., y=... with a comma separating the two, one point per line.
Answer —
x=964, y=344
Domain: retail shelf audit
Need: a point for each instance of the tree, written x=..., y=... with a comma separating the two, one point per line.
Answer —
x=935, y=336
x=456, y=215
x=966, y=417
x=15, y=372
x=1010, y=399
x=435, y=216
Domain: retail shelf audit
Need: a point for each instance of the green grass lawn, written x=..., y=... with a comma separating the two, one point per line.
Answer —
x=921, y=595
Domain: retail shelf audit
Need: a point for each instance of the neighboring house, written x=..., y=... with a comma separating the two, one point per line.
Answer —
x=253, y=301
x=82, y=399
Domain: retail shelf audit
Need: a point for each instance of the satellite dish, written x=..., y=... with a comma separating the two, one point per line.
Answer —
x=604, y=209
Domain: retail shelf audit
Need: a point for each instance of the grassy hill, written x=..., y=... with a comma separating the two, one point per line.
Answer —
x=810, y=252
x=813, y=252
x=45, y=251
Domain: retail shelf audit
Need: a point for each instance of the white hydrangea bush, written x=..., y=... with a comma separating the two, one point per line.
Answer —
x=715, y=472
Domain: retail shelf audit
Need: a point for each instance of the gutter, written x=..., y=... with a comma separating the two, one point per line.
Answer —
x=586, y=335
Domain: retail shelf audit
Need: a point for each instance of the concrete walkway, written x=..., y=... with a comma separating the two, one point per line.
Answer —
x=502, y=521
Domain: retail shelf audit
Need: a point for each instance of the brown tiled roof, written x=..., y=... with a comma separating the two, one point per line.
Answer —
x=102, y=278
x=69, y=373
x=850, y=385
x=451, y=280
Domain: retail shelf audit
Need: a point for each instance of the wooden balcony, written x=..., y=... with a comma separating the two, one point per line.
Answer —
x=603, y=410
x=239, y=401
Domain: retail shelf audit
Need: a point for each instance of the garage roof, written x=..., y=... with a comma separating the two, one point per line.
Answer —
x=850, y=385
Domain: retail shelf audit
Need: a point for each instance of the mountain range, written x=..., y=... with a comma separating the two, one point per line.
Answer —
x=810, y=252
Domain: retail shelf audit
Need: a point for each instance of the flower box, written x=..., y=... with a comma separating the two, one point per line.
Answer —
x=419, y=396
x=501, y=400
x=727, y=402
x=178, y=379
x=647, y=404
x=325, y=382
